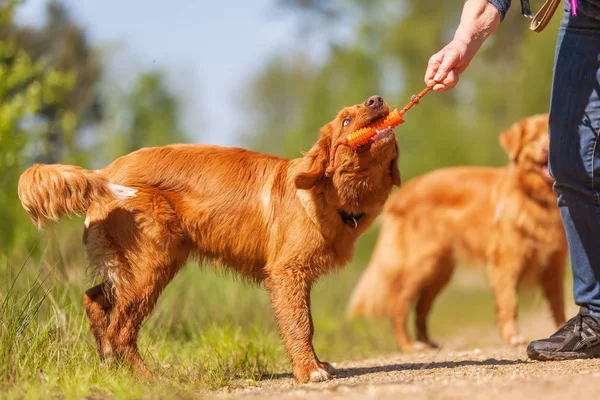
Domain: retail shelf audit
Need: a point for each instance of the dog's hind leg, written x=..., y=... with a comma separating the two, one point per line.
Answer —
x=440, y=279
x=400, y=308
x=136, y=300
x=418, y=273
x=98, y=302
x=139, y=247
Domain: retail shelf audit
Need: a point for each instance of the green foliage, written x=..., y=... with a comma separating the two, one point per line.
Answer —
x=49, y=98
x=63, y=45
x=26, y=87
x=148, y=114
x=48, y=95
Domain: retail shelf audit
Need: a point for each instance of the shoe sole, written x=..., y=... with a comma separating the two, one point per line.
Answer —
x=559, y=356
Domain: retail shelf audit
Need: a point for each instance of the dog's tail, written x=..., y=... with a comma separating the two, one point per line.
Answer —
x=374, y=294
x=48, y=192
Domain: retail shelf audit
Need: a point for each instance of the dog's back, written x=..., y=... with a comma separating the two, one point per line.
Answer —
x=448, y=212
x=218, y=194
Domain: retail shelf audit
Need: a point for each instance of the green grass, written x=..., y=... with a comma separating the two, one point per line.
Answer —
x=208, y=330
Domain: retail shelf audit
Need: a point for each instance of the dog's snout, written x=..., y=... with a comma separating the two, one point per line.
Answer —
x=374, y=102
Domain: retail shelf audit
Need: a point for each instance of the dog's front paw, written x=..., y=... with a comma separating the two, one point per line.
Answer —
x=317, y=373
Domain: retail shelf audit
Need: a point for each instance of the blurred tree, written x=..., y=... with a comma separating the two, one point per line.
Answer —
x=51, y=116
x=387, y=54
x=26, y=89
x=147, y=115
x=274, y=101
x=63, y=44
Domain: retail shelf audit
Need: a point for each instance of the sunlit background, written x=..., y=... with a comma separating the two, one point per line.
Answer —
x=87, y=81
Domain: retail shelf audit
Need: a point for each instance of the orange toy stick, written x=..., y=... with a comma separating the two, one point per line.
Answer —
x=365, y=134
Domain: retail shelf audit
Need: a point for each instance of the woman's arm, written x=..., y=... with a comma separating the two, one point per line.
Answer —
x=478, y=21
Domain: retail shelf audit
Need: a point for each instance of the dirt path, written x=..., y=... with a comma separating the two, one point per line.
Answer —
x=459, y=371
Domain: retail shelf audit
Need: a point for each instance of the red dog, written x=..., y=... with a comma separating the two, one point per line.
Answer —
x=277, y=221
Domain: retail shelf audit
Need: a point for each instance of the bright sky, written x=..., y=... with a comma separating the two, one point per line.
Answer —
x=210, y=49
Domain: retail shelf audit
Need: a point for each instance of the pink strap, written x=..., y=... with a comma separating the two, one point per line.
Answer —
x=573, y=7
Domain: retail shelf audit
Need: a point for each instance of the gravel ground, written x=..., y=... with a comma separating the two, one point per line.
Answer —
x=459, y=370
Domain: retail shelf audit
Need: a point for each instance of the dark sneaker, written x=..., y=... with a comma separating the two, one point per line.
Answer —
x=578, y=338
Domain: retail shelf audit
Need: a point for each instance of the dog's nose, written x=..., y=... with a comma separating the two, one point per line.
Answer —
x=374, y=102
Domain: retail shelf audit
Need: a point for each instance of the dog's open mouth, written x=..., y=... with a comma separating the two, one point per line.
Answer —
x=383, y=135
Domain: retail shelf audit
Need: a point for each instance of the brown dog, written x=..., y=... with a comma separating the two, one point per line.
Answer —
x=277, y=221
x=504, y=218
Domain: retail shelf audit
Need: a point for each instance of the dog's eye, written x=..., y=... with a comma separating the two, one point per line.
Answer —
x=346, y=121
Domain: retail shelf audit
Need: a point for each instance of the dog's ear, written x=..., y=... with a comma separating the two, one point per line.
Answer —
x=512, y=140
x=314, y=163
x=395, y=170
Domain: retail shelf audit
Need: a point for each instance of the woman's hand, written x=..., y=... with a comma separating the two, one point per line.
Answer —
x=446, y=65
x=478, y=21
